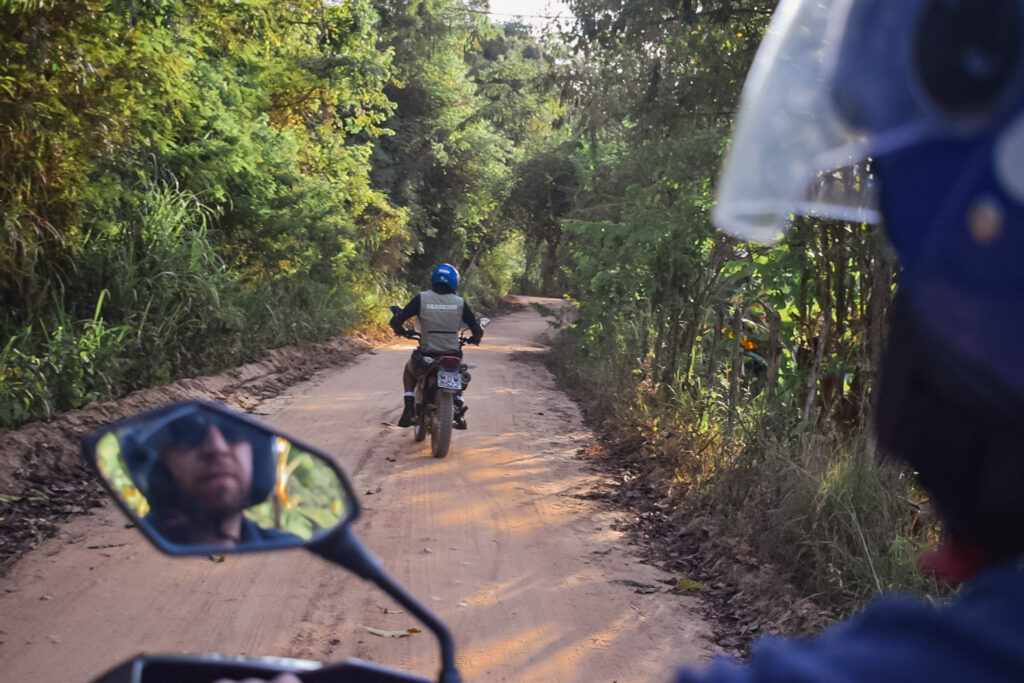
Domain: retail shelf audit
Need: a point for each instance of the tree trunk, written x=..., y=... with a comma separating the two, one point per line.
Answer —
x=819, y=358
x=736, y=372
x=774, y=358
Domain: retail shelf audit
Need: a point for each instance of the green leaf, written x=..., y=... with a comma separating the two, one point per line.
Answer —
x=685, y=585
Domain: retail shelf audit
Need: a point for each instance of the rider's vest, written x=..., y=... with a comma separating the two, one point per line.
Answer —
x=440, y=319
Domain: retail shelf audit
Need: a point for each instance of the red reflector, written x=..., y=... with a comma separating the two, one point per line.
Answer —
x=450, y=362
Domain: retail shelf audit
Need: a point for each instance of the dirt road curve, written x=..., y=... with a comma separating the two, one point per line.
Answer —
x=531, y=578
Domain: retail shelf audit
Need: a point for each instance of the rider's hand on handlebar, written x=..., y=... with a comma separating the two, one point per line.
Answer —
x=475, y=340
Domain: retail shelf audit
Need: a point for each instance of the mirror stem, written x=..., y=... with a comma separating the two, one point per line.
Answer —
x=342, y=547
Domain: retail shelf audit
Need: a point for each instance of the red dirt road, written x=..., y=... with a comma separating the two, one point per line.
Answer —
x=494, y=538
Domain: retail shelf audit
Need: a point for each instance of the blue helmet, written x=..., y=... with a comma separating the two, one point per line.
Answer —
x=910, y=113
x=445, y=273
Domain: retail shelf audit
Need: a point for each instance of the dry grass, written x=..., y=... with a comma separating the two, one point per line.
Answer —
x=834, y=520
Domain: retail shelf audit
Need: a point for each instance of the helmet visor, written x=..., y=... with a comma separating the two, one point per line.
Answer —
x=805, y=130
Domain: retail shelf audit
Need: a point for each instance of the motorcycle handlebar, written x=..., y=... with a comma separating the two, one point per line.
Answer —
x=413, y=334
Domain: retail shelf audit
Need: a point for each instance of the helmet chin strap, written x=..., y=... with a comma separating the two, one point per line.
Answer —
x=958, y=427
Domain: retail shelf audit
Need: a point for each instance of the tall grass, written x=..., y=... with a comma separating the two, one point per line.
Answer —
x=841, y=525
x=150, y=300
x=67, y=364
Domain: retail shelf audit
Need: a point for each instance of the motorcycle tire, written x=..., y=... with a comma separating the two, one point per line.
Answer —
x=419, y=428
x=441, y=424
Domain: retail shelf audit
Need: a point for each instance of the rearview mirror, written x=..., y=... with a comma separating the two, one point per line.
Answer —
x=483, y=322
x=199, y=478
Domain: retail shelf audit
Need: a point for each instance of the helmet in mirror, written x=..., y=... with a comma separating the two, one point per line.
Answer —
x=198, y=477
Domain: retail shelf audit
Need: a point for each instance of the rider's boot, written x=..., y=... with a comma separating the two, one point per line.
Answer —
x=460, y=413
x=408, y=413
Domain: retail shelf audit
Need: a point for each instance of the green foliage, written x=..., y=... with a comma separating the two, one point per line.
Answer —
x=307, y=498
x=744, y=354
x=473, y=99
x=183, y=185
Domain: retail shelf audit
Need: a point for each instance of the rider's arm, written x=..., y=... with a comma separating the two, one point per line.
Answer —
x=469, y=318
x=398, y=320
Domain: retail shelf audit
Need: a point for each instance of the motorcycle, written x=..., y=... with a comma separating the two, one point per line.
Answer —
x=435, y=395
x=197, y=478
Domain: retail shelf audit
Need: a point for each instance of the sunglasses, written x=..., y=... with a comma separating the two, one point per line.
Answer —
x=190, y=431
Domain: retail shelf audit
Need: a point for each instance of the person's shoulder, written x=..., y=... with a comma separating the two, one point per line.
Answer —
x=970, y=637
x=253, y=532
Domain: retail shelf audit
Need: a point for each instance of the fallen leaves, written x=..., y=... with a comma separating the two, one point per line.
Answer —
x=391, y=634
x=685, y=585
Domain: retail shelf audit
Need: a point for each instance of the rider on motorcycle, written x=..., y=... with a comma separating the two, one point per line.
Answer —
x=441, y=313
x=932, y=91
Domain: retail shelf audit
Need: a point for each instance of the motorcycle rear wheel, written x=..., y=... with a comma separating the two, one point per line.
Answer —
x=419, y=428
x=441, y=424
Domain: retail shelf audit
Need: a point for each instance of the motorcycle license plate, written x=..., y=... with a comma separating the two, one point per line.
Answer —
x=449, y=380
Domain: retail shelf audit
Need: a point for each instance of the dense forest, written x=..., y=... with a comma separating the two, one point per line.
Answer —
x=185, y=185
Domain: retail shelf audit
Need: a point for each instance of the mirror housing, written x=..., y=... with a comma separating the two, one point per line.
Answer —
x=198, y=478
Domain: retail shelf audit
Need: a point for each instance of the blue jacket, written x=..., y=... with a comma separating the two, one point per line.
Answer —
x=976, y=636
x=255, y=536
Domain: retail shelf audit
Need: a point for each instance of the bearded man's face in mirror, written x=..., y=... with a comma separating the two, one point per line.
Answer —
x=214, y=476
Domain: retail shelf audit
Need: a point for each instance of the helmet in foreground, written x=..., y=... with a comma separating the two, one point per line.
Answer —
x=911, y=113
x=445, y=273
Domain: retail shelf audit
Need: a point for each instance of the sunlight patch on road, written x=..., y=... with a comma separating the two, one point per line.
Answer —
x=513, y=348
x=483, y=514
x=581, y=579
x=566, y=665
x=497, y=593
x=484, y=656
x=499, y=442
x=505, y=390
x=427, y=466
x=501, y=474
x=422, y=499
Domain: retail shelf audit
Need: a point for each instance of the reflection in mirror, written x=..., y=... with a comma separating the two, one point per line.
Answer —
x=199, y=476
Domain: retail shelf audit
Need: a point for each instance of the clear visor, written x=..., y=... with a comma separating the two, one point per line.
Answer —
x=792, y=151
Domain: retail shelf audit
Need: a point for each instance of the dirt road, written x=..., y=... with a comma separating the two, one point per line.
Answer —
x=533, y=579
